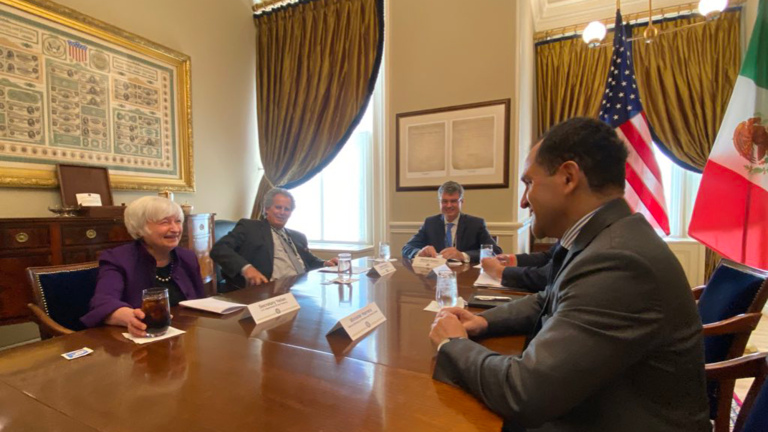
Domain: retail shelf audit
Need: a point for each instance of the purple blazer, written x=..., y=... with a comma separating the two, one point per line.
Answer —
x=127, y=270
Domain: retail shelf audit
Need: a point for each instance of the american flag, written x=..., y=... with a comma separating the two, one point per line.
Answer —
x=78, y=51
x=622, y=110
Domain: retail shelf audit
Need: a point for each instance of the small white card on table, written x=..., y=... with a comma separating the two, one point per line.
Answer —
x=360, y=322
x=426, y=262
x=382, y=269
x=270, y=308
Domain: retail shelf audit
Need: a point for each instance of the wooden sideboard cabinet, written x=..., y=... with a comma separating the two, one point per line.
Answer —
x=32, y=242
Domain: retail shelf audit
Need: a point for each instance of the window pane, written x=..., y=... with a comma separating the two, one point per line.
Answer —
x=333, y=206
x=306, y=218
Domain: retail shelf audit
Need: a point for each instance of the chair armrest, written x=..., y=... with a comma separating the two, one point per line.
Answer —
x=744, y=323
x=45, y=322
x=697, y=291
x=743, y=367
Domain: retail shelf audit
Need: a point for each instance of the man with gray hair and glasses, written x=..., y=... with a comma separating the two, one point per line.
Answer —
x=258, y=251
x=451, y=234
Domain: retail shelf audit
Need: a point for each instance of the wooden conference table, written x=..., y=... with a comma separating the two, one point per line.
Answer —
x=227, y=374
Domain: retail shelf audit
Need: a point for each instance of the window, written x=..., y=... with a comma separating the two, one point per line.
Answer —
x=680, y=189
x=334, y=206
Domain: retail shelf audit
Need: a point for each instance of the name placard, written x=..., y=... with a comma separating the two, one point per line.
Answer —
x=430, y=263
x=360, y=322
x=382, y=269
x=271, y=308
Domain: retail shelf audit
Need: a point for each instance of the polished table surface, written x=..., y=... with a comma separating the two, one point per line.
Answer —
x=228, y=374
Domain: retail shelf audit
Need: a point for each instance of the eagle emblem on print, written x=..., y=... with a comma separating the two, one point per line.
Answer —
x=751, y=141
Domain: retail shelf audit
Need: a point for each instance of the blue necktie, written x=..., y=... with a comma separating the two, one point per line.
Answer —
x=448, y=236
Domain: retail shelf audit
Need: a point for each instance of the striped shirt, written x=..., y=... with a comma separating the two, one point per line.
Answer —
x=570, y=235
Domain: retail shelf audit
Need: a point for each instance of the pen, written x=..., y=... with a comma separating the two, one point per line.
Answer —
x=491, y=298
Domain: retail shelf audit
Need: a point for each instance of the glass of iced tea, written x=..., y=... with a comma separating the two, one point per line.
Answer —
x=157, y=311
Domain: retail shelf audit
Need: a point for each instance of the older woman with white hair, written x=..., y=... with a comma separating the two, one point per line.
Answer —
x=153, y=260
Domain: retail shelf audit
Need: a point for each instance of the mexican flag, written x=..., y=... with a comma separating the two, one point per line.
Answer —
x=731, y=211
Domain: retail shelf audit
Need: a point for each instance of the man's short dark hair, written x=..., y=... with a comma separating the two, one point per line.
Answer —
x=593, y=145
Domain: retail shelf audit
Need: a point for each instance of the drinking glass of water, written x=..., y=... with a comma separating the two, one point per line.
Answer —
x=447, y=292
x=384, y=251
x=486, y=251
x=345, y=266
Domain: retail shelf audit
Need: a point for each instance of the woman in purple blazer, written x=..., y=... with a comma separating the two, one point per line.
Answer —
x=153, y=260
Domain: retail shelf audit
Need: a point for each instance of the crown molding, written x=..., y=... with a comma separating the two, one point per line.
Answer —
x=550, y=14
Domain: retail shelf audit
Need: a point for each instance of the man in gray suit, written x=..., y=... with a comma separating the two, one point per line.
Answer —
x=614, y=340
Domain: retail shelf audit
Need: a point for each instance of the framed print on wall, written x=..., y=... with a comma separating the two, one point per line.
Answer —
x=75, y=90
x=468, y=144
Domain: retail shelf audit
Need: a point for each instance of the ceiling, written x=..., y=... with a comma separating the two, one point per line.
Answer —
x=549, y=14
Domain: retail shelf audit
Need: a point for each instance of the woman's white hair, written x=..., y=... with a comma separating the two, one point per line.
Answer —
x=149, y=209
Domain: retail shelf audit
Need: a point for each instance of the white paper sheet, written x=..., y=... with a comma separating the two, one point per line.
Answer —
x=486, y=280
x=433, y=306
x=214, y=305
x=172, y=332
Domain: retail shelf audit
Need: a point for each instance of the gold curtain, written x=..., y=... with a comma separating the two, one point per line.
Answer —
x=570, y=80
x=317, y=63
x=685, y=80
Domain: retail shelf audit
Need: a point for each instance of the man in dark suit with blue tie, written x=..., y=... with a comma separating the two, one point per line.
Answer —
x=451, y=234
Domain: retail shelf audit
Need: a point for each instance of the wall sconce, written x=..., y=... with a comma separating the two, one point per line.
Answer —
x=712, y=8
x=594, y=33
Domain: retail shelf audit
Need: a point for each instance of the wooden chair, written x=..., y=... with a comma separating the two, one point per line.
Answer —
x=730, y=307
x=62, y=294
x=753, y=416
x=221, y=228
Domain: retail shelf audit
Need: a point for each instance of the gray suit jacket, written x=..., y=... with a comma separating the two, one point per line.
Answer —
x=620, y=348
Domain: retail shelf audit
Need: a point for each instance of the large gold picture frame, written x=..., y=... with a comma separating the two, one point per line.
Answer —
x=76, y=90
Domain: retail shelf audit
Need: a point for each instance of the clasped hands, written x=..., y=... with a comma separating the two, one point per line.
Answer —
x=454, y=322
x=254, y=277
x=495, y=266
x=447, y=253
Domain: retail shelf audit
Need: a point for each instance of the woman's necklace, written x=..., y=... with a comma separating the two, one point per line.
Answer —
x=170, y=274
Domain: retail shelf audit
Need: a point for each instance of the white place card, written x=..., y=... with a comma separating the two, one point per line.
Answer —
x=360, y=322
x=275, y=322
x=382, y=269
x=271, y=308
x=88, y=199
x=426, y=262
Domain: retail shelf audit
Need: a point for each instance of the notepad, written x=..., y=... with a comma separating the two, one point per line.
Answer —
x=214, y=305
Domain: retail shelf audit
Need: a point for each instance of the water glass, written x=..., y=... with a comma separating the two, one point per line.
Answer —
x=384, y=251
x=486, y=251
x=447, y=292
x=157, y=311
x=345, y=266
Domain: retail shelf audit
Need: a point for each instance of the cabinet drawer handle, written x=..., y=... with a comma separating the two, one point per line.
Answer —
x=22, y=237
x=90, y=233
x=202, y=227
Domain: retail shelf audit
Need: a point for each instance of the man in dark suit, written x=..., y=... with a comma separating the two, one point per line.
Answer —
x=522, y=271
x=451, y=234
x=257, y=251
x=615, y=341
